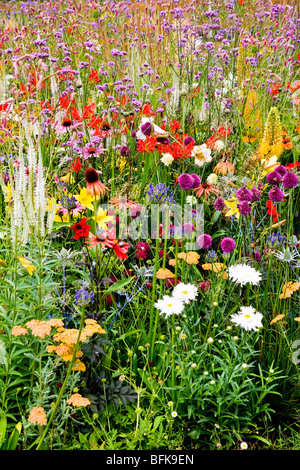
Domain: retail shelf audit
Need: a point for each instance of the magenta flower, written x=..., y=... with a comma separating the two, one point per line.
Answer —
x=227, y=245
x=275, y=194
x=204, y=241
x=186, y=181
x=290, y=180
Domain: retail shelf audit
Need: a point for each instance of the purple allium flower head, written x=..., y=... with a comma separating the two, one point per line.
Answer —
x=197, y=180
x=281, y=170
x=186, y=181
x=243, y=194
x=255, y=194
x=219, y=204
x=204, y=241
x=188, y=140
x=163, y=140
x=146, y=128
x=125, y=151
x=244, y=208
x=227, y=245
x=274, y=178
x=275, y=194
x=187, y=228
x=290, y=180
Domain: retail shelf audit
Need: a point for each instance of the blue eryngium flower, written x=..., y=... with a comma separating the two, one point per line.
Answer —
x=83, y=298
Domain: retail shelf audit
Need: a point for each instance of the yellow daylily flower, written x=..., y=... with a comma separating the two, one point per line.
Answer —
x=269, y=165
x=233, y=209
x=101, y=217
x=27, y=264
x=61, y=218
x=85, y=199
x=68, y=178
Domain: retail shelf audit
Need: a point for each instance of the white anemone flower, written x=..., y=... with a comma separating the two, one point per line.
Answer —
x=248, y=318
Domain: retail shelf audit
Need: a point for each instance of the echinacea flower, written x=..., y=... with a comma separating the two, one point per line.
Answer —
x=93, y=185
x=248, y=318
x=206, y=189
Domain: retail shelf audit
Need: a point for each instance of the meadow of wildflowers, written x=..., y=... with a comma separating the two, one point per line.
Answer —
x=150, y=231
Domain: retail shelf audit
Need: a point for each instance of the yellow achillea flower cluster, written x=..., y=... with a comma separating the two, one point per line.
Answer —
x=288, y=289
x=164, y=274
x=271, y=144
x=39, y=328
x=19, y=331
x=190, y=258
x=78, y=400
x=37, y=416
x=216, y=268
x=70, y=336
x=278, y=318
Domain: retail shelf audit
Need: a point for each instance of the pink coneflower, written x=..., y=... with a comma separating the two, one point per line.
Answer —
x=122, y=203
x=206, y=189
x=93, y=186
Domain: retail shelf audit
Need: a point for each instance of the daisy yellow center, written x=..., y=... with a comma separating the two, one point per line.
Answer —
x=170, y=305
x=184, y=292
x=247, y=316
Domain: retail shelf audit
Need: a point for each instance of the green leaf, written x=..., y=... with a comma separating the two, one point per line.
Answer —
x=118, y=285
x=3, y=353
x=263, y=439
x=3, y=425
x=13, y=440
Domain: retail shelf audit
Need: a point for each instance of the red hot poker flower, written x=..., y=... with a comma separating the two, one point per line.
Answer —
x=81, y=229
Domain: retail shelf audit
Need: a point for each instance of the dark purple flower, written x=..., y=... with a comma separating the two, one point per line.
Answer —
x=281, y=170
x=227, y=245
x=197, y=180
x=275, y=194
x=290, y=180
x=163, y=140
x=219, y=204
x=146, y=128
x=243, y=194
x=186, y=181
x=255, y=194
x=125, y=151
x=188, y=140
x=244, y=208
x=204, y=241
x=274, y=178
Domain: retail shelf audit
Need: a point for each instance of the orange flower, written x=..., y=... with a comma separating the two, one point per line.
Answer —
x=224, y=167
x=93, y=186
x=164, y=274
x=19, y=331
x=78, y=400
x=38, y=416
x=205, y=189
x=277, y=319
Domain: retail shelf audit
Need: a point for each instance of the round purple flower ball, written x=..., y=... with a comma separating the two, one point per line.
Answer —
x=204, y=241
x=187, y=228
x=255, y=194
x=244, y=208
x=274, y=178
x=219, y=204
x=186, y=181
x=197, y=180
x=290, y=180
x=227, y=245
x=281, y=170
x=275, y=194
x=243, y=194
x=188, y=140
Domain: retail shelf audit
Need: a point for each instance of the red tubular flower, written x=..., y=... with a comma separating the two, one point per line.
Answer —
x=81, y=229
x=107, y=240
x=272, y=211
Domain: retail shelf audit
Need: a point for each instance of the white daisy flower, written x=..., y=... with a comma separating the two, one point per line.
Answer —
x=243, y=274
x=169, y=305
x=244, y=445
x=248, y=318
x=185, y=292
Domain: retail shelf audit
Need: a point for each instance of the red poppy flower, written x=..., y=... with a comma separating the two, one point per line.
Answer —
x=81, y=229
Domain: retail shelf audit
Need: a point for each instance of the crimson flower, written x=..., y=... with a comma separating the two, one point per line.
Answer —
x=106, y=240
x=81, y=229
x=272, y=210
